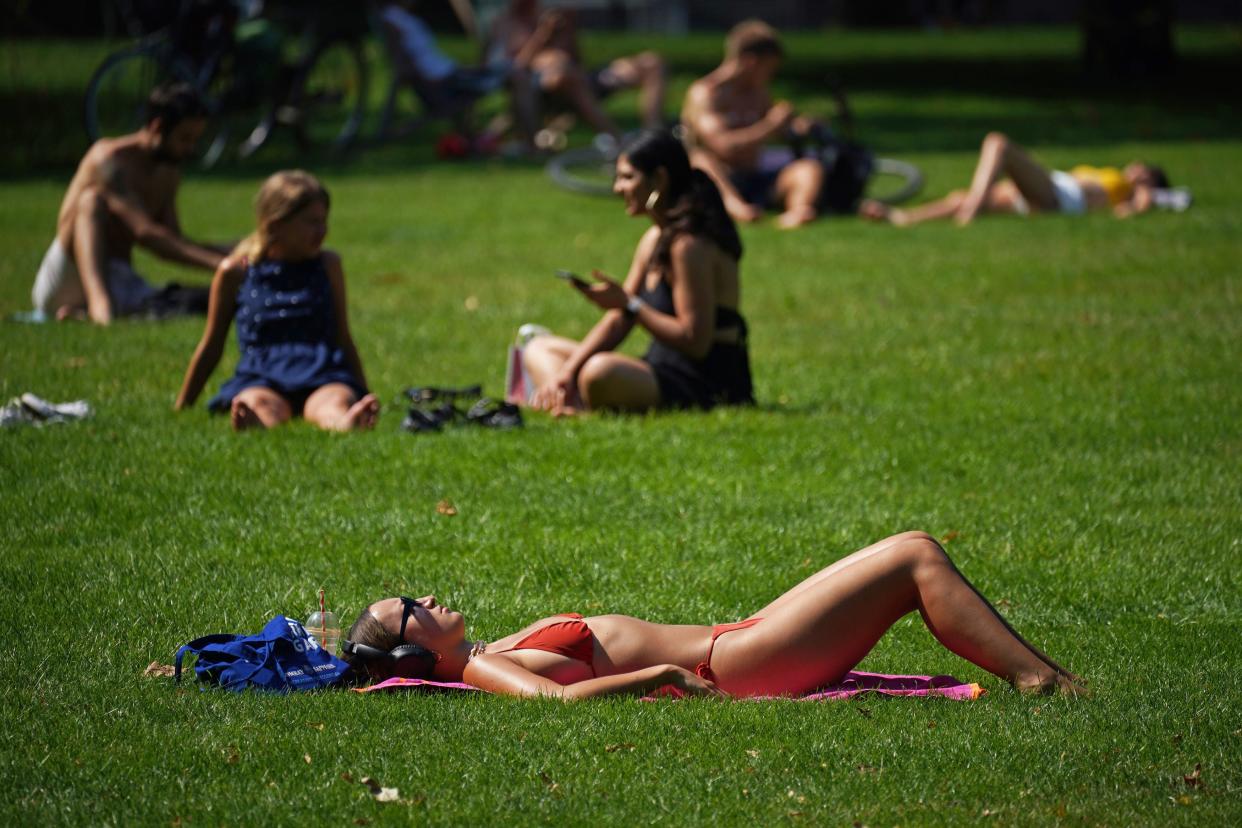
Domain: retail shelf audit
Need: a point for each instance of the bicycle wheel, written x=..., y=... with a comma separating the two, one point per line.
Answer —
x=116, y=95
x=586, y=170
x=328, y=99
x=893, y=181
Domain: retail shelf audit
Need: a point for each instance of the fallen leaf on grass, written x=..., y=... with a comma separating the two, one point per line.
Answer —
x=446, y=508
x=347, y=777
x=931, y=725
x=868, y=769
x=1192, y=779
x=553, y=787
x=621, y=746
x=306, y=758
x=753, y=754
x=951, y=536
x=155, y=669
x=315, y=725
x=231, y=754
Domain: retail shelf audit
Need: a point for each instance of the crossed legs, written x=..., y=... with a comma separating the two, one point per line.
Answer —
x=817, y=631
x=332, y=407
x=607, y=380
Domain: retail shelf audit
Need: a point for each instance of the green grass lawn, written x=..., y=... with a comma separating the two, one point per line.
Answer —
x=1057, y=397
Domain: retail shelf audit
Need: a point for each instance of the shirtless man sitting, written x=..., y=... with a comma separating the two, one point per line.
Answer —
x=123, y=193
x=729, y=116
x=546, y=46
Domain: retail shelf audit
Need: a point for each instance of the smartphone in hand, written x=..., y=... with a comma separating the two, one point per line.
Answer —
x=570, y=276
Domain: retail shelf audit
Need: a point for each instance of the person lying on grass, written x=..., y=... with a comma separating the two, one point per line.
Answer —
x=682, y=287
x=288, y=296
x=1008, y=180
x=809, y=637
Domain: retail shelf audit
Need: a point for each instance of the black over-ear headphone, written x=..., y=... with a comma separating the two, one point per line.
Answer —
x=404, y=660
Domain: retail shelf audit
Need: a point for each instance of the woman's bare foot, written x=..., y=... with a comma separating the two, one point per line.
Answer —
x=361, y=416
x=796, y=217
x=1049, y=682
x=873, y=210
x=242, y=416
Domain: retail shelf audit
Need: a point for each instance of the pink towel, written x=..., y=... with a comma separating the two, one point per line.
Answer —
x=855, y=682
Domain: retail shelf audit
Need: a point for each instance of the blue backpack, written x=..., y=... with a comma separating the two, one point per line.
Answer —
x=282, y=657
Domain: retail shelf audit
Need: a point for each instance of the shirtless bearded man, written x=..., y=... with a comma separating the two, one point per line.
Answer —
x=123, y=193
x=729, y=116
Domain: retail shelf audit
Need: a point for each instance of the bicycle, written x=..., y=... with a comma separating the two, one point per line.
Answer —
x=590, y=170
x=251, y=75
x=853, y=172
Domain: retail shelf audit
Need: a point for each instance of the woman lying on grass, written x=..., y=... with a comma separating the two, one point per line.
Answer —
x=807, y=638
x=682, y=287
x=288, y=295
x=1008, y=180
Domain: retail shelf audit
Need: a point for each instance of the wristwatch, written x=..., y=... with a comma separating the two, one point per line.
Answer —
x=632, y=306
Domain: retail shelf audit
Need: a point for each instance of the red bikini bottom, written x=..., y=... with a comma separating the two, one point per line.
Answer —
x=704, y=670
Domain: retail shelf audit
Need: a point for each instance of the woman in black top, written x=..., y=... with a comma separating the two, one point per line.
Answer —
x=682, y=287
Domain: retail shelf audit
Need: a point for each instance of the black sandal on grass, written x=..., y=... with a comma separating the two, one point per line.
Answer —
x=491, y=413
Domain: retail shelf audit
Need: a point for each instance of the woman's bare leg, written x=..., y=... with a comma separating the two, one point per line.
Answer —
x=942, y=208
x=1002, y=198
x=645, y=71
x=1000, y=157
x=258, y=407
x=335, y=407
x=619, y=382
x=544, y=355
x=825, y=625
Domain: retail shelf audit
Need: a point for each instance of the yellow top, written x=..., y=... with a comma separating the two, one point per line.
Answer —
x=1110, y=179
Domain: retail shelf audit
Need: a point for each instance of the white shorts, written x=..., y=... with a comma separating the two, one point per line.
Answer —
x=58, y=283
x=1071, y=200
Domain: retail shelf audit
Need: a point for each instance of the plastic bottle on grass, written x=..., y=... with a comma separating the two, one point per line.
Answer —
x=324, y=626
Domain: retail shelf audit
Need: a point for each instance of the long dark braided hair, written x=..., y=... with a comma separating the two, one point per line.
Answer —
x=694, y=204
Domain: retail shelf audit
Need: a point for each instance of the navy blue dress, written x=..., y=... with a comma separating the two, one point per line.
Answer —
x=286, y=330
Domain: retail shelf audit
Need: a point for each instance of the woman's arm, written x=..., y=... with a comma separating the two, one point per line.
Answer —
x=221, y=305
x=498, y=674
x=344, y=339
x=1139, y=202
x=614, y=327
x=692, y=325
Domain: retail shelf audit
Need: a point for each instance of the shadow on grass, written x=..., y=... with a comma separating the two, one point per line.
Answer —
x=904, y=103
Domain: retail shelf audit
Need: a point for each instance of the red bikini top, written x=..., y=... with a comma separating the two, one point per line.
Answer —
x=571, y=638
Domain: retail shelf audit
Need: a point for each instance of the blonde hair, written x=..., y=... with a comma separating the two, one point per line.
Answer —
x=282, y=195
x=752, y=37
